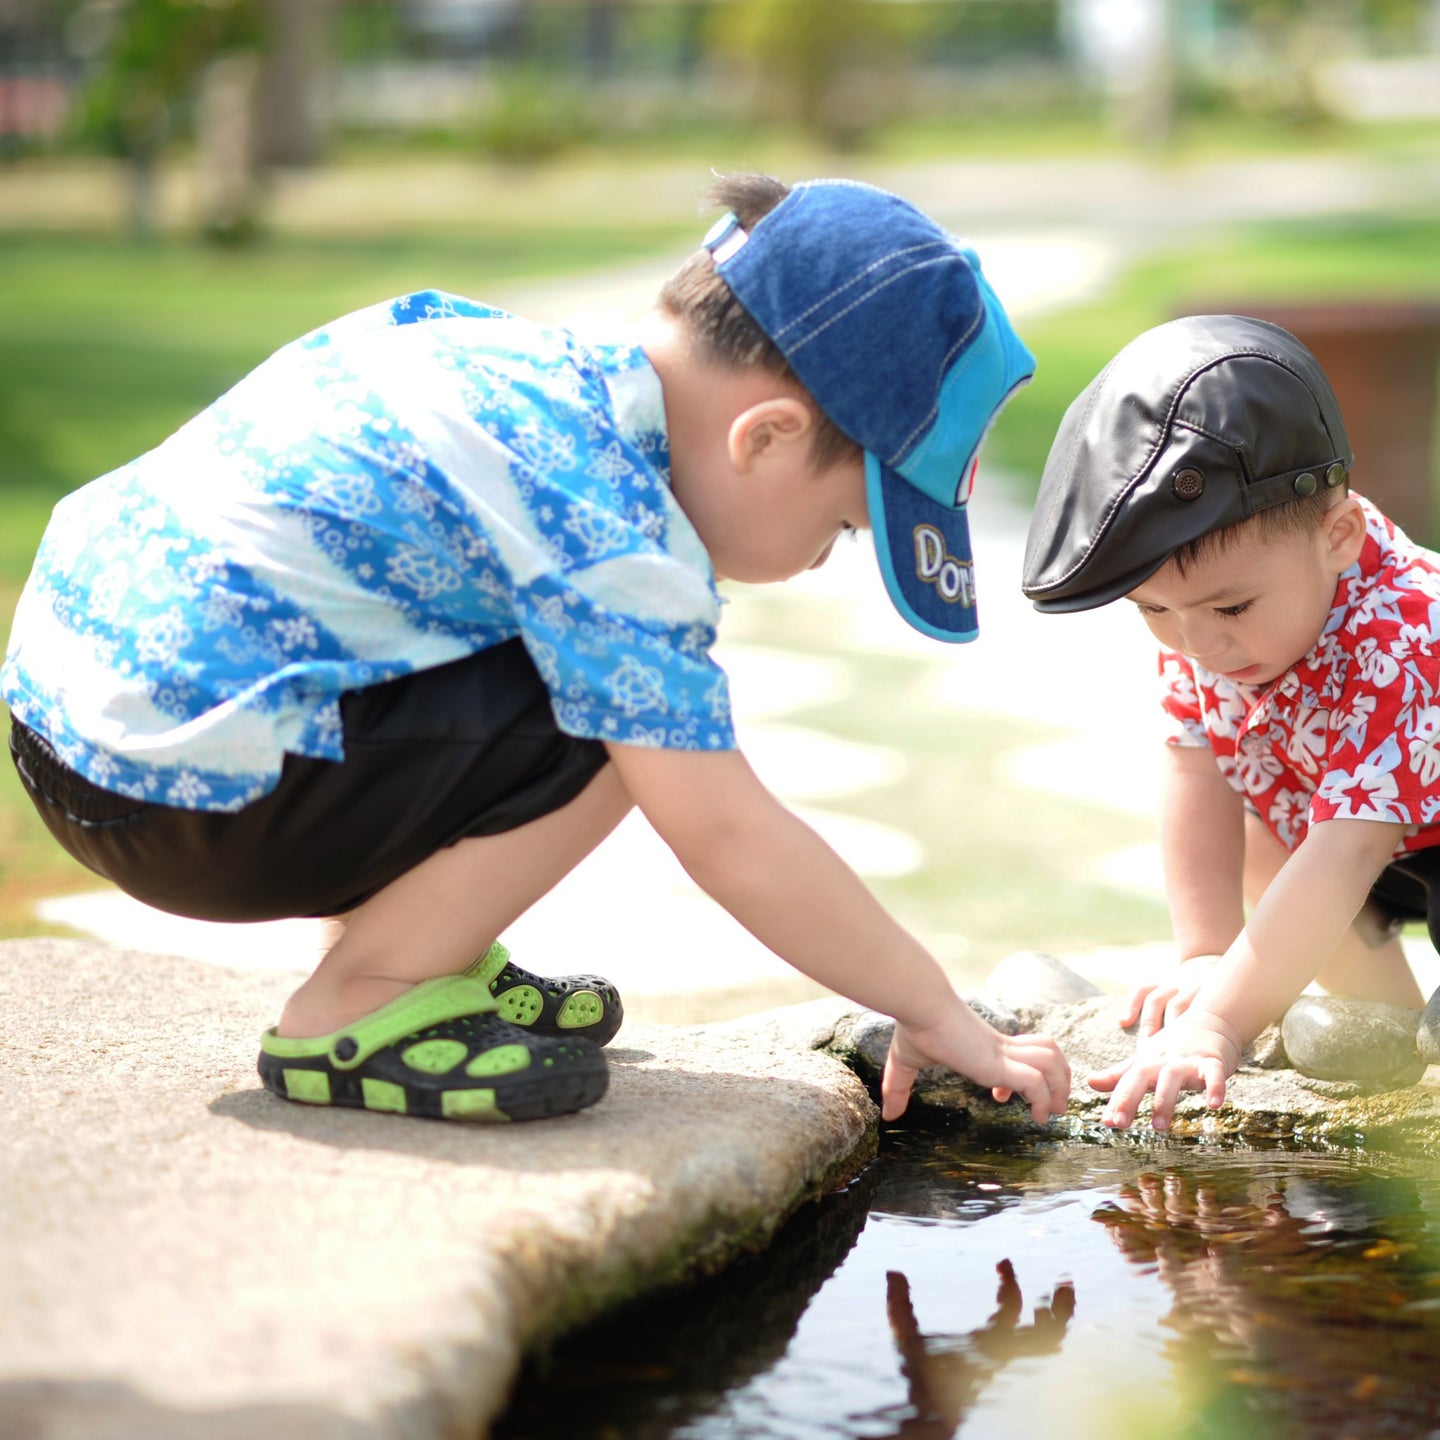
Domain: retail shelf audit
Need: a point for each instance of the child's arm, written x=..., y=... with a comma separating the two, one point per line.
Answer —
x=1297, y=924
x=1202, y=848
x=780, y=880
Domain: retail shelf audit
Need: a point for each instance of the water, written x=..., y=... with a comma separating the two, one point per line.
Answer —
x=1061, y=1289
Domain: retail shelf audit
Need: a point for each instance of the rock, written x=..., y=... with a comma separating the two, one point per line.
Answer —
x=1265, y=1100
x=993, y=1012
x=862, y=1041
x=864, y=1037
x=1369, y=1044
x=1427, y=1039
x=869, y=1038
x=326, y=1273
x=1030, y=981
x=1267, y=1050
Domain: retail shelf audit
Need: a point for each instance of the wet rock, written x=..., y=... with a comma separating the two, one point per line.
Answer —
x=996, y=1013
x=870, y=1042
x=1359, y=1041
x=1030, y=981
x=864, y=1038
x=1427, y=1039
x=1267, y=1050
x=341, y=1275
x=1265, y=1099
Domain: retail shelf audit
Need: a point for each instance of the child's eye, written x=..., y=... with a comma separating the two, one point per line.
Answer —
x=1231, y=611
x=1149, y=609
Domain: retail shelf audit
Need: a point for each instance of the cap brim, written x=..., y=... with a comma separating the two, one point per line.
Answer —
x=924, y=553
x=1105, y=594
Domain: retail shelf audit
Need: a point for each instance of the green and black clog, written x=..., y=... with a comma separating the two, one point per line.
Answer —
x=441, y=1050
x=568, y=1006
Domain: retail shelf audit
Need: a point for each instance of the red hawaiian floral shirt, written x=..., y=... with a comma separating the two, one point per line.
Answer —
x=1351, y=732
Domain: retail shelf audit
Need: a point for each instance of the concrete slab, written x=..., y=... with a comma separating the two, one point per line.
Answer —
x=184, y=1254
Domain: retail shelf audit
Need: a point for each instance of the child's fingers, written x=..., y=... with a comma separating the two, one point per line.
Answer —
x=1043, y=1078
x=1171, y=1080
x=895, y=1086
x=1129, y=1090
x=1156, y=1009
x=1133, y=1003
x=1178, y=1005
x=1106, y=1080
x=1215, y=1079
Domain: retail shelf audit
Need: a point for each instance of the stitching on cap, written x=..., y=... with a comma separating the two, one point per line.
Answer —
x=960, y=343
x=854, y=280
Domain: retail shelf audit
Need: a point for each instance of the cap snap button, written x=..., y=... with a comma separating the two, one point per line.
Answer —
x=1188, y=484
x=1306, y=484
x=1335, y=475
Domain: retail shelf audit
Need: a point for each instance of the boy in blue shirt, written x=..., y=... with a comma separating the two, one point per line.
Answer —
x=400, y=628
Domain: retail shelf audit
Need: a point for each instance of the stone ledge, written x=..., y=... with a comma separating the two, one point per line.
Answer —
x=184, y=1254
x=1266, y=1101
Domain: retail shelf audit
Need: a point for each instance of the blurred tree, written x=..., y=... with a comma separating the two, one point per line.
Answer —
x=153, y=55
x=824, y=64
x=290, y=129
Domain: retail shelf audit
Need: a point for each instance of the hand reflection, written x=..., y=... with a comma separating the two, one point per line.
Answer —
x=945, y=1373
x=1213, y=1255
x=1266, y=1302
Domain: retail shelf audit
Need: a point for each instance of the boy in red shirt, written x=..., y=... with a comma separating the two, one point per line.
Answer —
x=1204, y=476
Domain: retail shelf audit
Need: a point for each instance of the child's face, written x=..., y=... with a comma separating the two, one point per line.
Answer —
x=1251, y=611
x=785, y=528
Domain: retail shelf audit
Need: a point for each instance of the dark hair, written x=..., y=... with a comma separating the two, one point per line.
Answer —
x=1295, y=517
x=702, y=301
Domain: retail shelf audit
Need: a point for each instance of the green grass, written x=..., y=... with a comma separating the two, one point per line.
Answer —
x=106, y=348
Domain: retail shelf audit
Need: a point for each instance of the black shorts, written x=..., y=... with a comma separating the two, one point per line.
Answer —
x=468, y=748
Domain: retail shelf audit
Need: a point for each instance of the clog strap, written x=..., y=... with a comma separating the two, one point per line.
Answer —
x=432, y=1002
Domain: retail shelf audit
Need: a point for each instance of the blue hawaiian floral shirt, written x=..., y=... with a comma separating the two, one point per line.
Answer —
x=407, y=486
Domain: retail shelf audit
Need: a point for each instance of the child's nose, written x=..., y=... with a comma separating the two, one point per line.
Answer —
x=1200, y=640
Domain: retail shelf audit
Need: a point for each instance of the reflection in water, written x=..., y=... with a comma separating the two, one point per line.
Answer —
x=945, y=1373
x=1223, y=1294
x=1314, y=1308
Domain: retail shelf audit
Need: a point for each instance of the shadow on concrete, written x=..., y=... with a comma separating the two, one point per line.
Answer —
x=620, y=1131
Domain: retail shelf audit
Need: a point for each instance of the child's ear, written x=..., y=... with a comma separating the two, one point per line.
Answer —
x=1343, y=530
x=767, y=430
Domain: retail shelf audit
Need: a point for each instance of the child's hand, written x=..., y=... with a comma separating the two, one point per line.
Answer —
x=1031, y=1065
x=1162, y=1002
x=1198, y=1052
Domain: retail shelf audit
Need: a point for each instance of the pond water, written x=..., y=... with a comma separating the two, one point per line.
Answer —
x=1113, y=1288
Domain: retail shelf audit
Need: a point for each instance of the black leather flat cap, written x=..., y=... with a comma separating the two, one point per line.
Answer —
x=1195, y=425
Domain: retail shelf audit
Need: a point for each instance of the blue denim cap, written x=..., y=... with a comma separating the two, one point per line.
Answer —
x=887, y=321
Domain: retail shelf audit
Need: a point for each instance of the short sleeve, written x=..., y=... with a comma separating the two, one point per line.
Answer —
x=1180, y=700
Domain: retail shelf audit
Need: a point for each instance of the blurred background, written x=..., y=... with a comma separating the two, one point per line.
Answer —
x=185, y=185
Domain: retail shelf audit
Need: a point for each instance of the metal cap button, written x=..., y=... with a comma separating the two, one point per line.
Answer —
x=1188, y=484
